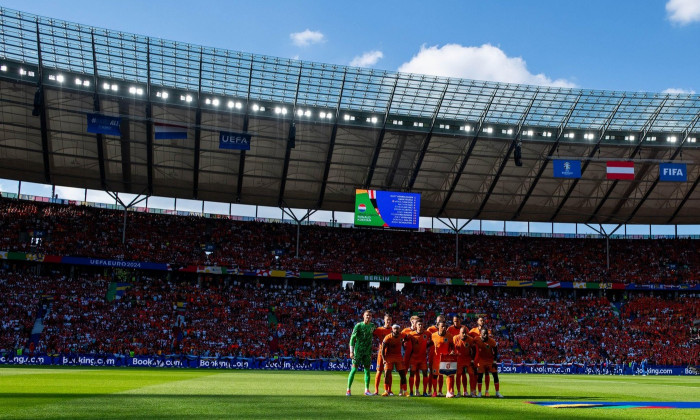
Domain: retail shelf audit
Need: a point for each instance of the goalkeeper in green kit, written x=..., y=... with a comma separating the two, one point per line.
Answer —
x=361, y=350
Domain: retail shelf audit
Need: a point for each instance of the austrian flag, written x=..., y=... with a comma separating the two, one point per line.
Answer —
x=621, y=170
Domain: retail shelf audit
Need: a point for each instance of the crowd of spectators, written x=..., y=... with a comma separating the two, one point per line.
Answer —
x=228, y=316
x=69, y=230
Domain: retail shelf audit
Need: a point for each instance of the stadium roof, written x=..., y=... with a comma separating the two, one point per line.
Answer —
x=450, y=139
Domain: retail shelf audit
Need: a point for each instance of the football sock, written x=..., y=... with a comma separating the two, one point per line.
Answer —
x=377, y=381
x=441, y=381
x=351, y=376
x=366, y=379
x=411, y=380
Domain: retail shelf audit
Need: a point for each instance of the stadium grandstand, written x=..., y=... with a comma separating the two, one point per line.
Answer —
x=92, y=108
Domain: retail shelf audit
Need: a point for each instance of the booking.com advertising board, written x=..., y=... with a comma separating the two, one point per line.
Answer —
x=291, y=363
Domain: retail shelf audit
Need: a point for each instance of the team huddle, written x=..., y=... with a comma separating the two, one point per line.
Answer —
x=454, y=352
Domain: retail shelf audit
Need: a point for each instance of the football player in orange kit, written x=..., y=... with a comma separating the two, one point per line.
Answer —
x=465, y=369
x=476, y=333
x=410, y=330
x=432, y=330
x=391, y=352
x=443, y=344
x=417, y=345
x=456, y=326
x=486, y=357
x=380, y=333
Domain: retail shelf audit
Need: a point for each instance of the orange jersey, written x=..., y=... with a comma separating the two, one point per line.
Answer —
x=432, y=329
x=485, y=351
x=442, y=344
x=391, y=347
x=462, y=347
x=453, y=331
x=381, y=332
x=406, y=332
x=419, y=346
x=474, y=332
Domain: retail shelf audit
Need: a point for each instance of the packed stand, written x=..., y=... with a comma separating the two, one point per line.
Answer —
x=90, y=232
x=232, y=317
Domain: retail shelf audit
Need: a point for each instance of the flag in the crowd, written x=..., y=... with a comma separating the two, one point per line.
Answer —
x=567, y=168
x=169, y=131
x=621, y=170
x=673, y=172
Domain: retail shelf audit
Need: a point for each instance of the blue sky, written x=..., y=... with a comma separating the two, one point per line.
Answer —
x=633, y=45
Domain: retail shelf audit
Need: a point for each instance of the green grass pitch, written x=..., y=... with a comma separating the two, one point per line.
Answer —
x=33, y=392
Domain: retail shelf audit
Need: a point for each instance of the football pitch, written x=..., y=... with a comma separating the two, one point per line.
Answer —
x=34, y=392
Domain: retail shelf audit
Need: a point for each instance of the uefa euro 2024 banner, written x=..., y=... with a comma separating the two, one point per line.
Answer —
x=292, y=363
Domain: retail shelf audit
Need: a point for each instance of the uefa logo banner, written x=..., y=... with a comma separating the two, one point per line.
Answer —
x=567, y=168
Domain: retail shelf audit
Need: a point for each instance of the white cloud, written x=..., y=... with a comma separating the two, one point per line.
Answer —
x=683, y=11
x=677, y=91
x=367, y=59
x=481, y=63
x=306, y=38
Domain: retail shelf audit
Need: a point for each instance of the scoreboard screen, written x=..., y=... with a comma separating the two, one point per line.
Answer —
x=387, y=209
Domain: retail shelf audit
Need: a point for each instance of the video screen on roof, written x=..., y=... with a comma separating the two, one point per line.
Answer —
x=387, y=209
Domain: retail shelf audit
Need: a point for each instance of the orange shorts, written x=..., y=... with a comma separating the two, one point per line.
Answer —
x=391, y=363
x=417, y=364
x=486, y=368
x=465, y=368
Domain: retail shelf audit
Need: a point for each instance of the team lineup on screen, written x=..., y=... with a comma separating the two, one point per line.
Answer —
x=387, y=209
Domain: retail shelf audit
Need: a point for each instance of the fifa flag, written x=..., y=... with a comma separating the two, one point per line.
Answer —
x=621, y=170
x=567, y=168
x=169, y=131
x=677, y=172
x=448, y=364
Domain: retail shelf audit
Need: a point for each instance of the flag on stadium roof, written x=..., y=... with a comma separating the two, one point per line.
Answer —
x=566, y=168
x=169, y=131
x=621, y=170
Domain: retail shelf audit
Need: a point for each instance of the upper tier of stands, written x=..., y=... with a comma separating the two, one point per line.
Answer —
x=91, y=232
